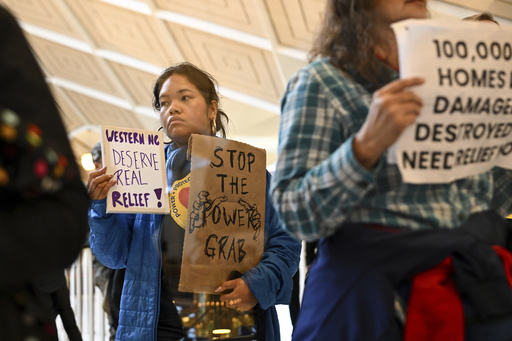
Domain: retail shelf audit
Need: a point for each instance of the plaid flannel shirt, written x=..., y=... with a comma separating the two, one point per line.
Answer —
x=318, y=184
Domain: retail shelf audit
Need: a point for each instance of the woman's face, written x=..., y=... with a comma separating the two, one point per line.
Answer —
x=388, y=12
x=183, y=110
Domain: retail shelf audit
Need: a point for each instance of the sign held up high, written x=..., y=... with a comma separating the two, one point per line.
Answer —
x=465, y=126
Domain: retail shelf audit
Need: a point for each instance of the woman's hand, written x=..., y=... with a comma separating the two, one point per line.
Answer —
x=240, y=298
x=393, y=108
x=99, y=183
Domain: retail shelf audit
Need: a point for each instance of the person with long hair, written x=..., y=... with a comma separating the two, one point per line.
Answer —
x=378, y=234
x=150, y=246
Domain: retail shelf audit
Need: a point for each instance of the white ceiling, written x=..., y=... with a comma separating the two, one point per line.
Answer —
x=101, y=57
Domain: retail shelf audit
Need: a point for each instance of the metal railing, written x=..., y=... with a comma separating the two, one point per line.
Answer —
x=86, y=300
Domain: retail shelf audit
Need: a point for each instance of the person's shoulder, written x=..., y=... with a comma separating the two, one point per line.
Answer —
x=4, y=13
x=321, y=76
x=318, y=66
x=332, y=80
x=321, y=64
x=10, y=29
x=314, y=72
x=326, y=72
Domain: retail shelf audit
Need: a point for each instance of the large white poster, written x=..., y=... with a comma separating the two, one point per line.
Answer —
x=465, y=127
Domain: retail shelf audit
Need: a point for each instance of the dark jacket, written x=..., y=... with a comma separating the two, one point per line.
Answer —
x=43, y=202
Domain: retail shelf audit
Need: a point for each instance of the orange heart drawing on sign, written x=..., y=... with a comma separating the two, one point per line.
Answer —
x=183, y=196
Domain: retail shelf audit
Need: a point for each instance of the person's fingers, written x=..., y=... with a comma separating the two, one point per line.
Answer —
x=389, y=114
x=233, y=298
x=233, y=303
x=99, y=184
x=104, y=188
x=240, y=298
x=98, y=181
x=226, y=286
x=94, y=174
x=400, y=85
x=409, y=96
x=389, y=101
x=398, y=110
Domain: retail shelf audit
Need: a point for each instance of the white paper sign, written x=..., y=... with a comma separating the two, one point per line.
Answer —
x=136, y=158
x=465, y=127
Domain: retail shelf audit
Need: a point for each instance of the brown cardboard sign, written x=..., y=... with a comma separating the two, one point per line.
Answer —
x=226, y=215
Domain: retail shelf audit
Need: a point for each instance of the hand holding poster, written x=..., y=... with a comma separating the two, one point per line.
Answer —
x=465, y=127
x=226, y=215
x=136, y=159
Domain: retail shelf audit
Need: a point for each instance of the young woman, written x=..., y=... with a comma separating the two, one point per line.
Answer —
x=340, y=114
x=188, y=103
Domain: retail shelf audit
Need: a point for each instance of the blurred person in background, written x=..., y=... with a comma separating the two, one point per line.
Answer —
x=43, y=202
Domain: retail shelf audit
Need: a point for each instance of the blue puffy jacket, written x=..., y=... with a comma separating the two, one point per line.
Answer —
x=133, y=241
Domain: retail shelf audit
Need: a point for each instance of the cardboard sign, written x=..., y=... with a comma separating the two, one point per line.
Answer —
x=226, y=212
x=136, y=159
x=465, y=127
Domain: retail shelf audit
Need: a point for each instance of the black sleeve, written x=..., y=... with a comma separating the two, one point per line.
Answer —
x=43, y=202
x=311, y=252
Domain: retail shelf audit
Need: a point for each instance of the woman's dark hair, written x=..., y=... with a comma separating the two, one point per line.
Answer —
x=482, y=17
x=348, y=38
x=203, y=81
